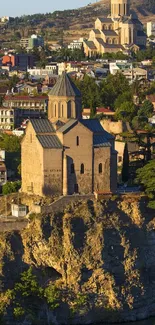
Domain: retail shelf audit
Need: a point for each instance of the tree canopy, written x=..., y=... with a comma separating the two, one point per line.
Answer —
x=146, y=176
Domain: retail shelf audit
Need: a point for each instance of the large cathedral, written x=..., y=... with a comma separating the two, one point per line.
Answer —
x=120, y=31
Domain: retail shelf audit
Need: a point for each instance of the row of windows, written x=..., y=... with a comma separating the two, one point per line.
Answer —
x=72, y=169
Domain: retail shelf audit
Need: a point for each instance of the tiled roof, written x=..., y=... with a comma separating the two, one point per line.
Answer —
x=100, y=141
x=68, y=126
x=96, y=31
x=106, y=20
x=106, y=45
x=49, y=141
x=109, y=33
x=104, y=110
x=91, y=45
x=42, y=126
x=95, y=126
x=65, y=87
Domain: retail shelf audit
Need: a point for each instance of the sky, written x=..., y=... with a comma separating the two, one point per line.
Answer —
x=18, y=7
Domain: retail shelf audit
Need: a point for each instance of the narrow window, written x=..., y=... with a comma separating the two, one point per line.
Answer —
x=82, y=169
x=77, y=141
x=55, y=110
x=72, y=168
x=100, y=168
x=30, y=138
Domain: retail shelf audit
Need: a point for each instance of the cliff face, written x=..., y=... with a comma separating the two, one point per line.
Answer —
x=100, y=255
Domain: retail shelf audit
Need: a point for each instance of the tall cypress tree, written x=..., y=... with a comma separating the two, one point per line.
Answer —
x=125, y=167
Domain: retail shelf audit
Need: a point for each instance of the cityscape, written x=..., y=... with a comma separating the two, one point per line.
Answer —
x=77, y=165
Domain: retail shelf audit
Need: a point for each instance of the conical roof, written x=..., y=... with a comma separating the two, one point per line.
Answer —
x=65, y=87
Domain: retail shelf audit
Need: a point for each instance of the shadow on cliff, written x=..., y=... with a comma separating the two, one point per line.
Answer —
x=79, y=229
x=134, y=236
x=12, y=262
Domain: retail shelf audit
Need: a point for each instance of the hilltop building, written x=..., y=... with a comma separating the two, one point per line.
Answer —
x=65, y=154
x=118, y=32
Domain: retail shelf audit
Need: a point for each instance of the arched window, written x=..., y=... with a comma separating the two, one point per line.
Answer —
x=72, y=168
x=77, y=141
x=100, y=168
x=82, y=169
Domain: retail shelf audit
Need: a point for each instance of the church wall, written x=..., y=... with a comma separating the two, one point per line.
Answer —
x=113, y=172
x=98, y=24
x=102, y=179
x=78, y=155
x=32, y=163
x=52, y=171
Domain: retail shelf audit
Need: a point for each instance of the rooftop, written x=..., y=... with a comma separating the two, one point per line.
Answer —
x=65, y=87
x=49, y=141
x=42, y=126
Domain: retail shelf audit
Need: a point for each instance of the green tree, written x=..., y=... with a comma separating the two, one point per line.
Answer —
x=146, y=109
x=146, y=177
x=11, y=187
x=125, y=97
x=90, y=92
x=10, y=143
x=125, y=167
x=139, y=122
x=112, y=87
x=126, y=112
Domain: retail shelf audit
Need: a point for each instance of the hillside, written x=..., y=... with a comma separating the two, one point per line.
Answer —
x=71, y=24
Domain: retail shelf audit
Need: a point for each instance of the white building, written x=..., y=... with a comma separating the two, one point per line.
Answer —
x=76, y=44
x=151, y=28
x=119, y=66
x=19, y=210
x=49, y=70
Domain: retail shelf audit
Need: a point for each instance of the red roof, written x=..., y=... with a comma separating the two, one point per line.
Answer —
x=26, y=97
x=103, y=110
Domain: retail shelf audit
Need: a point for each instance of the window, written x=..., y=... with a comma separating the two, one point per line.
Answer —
x=119, y=159
x=30, y=138
x=77, y=141
x=82, y=169
x=100, y=168
x=72, y=168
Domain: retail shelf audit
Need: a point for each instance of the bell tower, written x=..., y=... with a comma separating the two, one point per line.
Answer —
x=120, y=8
x=64, y=100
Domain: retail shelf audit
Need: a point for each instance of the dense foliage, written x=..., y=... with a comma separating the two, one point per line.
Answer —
x=11, y=187
x=27, y=300
x=146, y=176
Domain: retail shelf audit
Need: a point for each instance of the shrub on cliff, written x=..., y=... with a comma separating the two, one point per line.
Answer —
x=11, y=187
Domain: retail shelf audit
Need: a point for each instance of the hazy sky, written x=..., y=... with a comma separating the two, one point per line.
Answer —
x=19, y=7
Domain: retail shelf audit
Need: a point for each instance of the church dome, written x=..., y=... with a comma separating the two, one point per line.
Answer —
x=65, y=87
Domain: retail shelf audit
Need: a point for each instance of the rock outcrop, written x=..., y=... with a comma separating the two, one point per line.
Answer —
x=100, y=254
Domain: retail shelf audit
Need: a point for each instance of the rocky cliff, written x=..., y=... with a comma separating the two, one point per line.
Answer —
x=101, y=255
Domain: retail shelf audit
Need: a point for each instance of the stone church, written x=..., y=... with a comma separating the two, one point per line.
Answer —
x=118, y=32
x=65, y=154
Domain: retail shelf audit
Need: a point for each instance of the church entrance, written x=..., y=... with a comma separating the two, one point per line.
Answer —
x=76, y=188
